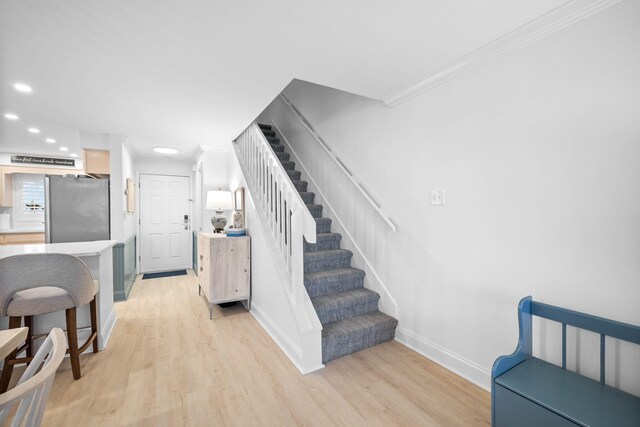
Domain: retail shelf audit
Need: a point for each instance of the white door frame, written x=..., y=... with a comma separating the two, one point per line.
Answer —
x=138, y=221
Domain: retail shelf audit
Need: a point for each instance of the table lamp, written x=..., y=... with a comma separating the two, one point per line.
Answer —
x=219, y=201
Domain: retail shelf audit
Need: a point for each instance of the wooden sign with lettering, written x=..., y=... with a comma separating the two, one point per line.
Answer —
x=33, y=160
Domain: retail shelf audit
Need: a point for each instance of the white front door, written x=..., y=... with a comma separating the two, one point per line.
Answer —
x=165, y=223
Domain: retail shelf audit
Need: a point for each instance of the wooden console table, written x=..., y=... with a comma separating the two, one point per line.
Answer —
x=224, y=268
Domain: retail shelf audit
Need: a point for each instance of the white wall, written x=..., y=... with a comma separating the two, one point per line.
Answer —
x=270, y=302
x=128, y=218
x=213, y=166
x=538, y=153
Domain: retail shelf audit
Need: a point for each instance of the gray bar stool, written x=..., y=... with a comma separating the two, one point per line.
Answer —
x=34, y=284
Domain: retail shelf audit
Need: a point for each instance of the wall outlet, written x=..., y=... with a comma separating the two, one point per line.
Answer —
x=437, y=197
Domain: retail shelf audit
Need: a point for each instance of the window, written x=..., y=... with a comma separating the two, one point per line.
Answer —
x=29, y=198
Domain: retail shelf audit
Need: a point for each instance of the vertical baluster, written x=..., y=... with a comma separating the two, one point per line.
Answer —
x=602, y=351
x=564, y=346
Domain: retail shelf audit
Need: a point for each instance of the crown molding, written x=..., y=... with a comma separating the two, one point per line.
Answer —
x=555, y=20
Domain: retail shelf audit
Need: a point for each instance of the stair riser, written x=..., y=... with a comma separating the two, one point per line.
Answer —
x=273, y=140
x=268, y=132
x=307, y=198
x=301, y=186
x=288, y=165
x=335, y=348
x=277, y=148
x=282, y=156
x=264, y=127
x=319, y=288
x=332, y=263
x=294, y=175
x=322, y=246
x=346, y=312
x=323, y=226
x=315, y=210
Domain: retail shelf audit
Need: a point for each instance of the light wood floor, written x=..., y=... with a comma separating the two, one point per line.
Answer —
x=167, y=364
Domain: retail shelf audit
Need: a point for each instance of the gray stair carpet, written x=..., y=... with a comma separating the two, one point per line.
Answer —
x=347, y=310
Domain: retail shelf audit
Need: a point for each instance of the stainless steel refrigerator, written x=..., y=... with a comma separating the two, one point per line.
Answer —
x=76, y=209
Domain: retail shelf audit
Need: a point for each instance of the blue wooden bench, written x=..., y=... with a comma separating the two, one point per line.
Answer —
x=527, y=391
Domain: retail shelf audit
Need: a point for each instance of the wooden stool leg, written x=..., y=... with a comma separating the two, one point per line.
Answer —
x=94, y=323
x=72, y=335
x=28, y=322
x=14, y=322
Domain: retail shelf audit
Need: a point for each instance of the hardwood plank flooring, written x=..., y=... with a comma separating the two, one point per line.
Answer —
x=167, y=364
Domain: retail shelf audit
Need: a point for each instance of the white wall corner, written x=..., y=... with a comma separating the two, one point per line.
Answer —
x=555, y=20
x=457, y=364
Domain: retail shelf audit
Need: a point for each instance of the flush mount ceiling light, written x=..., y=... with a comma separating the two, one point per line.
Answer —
x=165, y=150
x=64, y=149
x=34, y=130
x=73, y=155
x=50, y=140
x=11, y=116
x=21, y=87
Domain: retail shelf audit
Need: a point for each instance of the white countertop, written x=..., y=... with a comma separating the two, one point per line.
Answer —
x=21, y=230
x=79, y=249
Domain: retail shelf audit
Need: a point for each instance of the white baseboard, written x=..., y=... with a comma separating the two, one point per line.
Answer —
x=290, y=349
x=459, y=365
x=107, y=329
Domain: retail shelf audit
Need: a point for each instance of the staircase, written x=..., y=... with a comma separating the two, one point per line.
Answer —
x=347, y=310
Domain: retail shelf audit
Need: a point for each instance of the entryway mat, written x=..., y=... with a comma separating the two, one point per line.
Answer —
x=164, y=274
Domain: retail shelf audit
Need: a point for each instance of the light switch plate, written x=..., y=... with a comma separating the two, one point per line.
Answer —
x=437, y=197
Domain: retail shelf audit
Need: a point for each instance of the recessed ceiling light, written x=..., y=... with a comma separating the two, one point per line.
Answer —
x=11, y=116
x=64, y=149
x=21, y=87
x=34, y=130
x=73, y=155
x=164, y=150
x=50, y=140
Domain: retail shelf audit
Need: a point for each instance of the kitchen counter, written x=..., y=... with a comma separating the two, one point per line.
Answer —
x=79, y=249
x=21, y=230
x=98, y=256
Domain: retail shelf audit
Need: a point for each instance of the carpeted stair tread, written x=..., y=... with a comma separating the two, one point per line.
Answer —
x=342, y=305
x=294, y=175
x=331, y=281
x=307, y=197
x=356, y=333
x=288, y=165
x=277, y=148
x=264, y=127
x=267, y=132
x=282, y=156
x=273, y=140
x=301, y=186
x=315, y=210
x=327, y=260
x=323, y=225
x=324, y=242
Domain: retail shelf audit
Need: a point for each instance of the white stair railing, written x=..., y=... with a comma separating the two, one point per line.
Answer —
x=288, y=218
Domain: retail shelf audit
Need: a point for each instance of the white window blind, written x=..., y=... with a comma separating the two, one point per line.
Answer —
x=32, y=196
x=29, y=198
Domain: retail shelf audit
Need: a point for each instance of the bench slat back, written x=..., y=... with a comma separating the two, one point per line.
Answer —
x=600, y=325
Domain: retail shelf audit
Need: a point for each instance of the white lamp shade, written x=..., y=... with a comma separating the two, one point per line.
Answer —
x=219, y=200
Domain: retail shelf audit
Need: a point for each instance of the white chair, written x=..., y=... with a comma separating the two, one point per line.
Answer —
x=31, y=392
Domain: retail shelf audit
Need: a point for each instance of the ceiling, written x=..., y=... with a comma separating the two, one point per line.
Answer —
x=197, y=72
